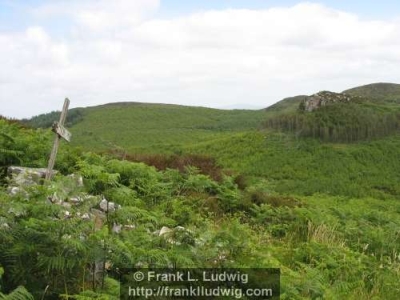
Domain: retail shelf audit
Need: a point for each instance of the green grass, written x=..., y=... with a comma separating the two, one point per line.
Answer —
x=346, y=248
x=157, y=127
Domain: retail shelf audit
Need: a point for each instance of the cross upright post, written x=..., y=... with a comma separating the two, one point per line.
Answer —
x=61, y=132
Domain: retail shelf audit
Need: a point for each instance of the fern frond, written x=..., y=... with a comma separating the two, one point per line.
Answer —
x=20, y=293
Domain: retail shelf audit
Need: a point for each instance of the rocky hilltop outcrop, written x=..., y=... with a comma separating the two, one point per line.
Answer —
x=324, y=98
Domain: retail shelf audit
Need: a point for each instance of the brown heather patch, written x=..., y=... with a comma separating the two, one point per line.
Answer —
x=14, y=121
x=207, y=165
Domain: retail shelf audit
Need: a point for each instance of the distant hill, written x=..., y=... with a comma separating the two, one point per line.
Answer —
x=167, y=128
x=290, y=104
x=362, y=113
x=387, y=92
x=334, y=149
x=46, y=120
x=142, y=127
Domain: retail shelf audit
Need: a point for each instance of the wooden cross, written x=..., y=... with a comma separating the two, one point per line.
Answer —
x=61, y=132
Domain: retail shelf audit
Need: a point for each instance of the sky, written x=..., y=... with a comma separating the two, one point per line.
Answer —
x=215, y=53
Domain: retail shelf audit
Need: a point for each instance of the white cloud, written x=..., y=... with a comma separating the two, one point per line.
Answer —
x=116, y=51
x=100, y=15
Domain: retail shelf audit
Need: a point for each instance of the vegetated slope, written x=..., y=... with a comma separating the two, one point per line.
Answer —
x=339, y=117
x=306, y=166
x=287, y=105
x=46, y=120
x=386, y=92
x=372, y=111
x=327, y=247
x=138, y=127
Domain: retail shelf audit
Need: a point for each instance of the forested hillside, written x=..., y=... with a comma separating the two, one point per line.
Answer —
x=341, y=117
x=151, y=127
x=75, y=115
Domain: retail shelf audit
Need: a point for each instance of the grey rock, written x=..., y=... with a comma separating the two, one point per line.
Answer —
x=168, y=233
x=324, y=98
x=98, y=213
x=116, y=228
x=164, y=230
x=108, y=206
x=85, y=217
x=75, y=200
x=129, y=227
x=5, y=226
x=16, y=212
x=55, y=199
x=66, y=204
x=16, y=190
x=23, y=176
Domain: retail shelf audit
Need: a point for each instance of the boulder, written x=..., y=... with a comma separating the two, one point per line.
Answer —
x=108, y=206
x=164, y=230
x=116, y=228
x=324, y=98
x=85, y=217
x=15, y=190
x=23, y=176
x=129, y=227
